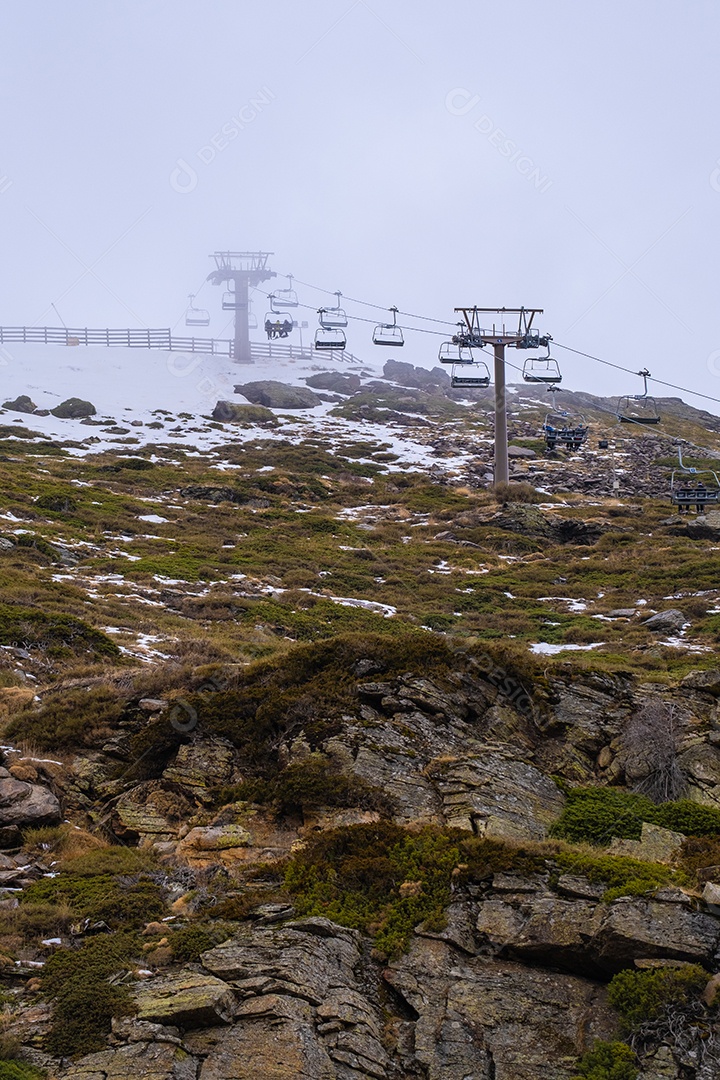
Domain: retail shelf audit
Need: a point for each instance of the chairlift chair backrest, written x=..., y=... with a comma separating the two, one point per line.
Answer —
x=333, y=318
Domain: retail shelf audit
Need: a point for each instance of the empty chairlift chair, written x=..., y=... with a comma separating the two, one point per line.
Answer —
x=388, y=333
x=541, y=369
x=286, y=298
x=195, y=316
x=469, y=376
x=333, y=318
x=329, y=337
x=638, y=408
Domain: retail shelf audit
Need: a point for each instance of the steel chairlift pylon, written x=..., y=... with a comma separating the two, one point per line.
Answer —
x=196, y=316
x=389, y=333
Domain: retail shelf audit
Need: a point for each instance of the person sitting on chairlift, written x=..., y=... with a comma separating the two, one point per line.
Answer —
x=268, y=329
x=700, y=496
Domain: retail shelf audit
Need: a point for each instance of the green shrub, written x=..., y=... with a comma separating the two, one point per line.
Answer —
x=107, y=885
x=644, y=996
x=622, y=875
x=84, y=1002
x=597, y=814
x=190, y=942
x=68, y=720
x=19, y=1070
x=607, y=1061
x=30, y=627
x=306, y=784
x=353, y=875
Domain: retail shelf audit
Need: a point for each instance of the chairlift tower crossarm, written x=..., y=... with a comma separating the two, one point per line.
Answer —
x=246, y=270
x=500, y=336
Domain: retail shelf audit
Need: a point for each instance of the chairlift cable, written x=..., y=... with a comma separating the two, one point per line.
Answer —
x=619, y=367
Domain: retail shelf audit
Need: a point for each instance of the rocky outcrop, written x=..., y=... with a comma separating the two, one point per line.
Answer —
x=22, y=404
x=303, y=1013
x=416, y=377
x=74, y=409
x=339, y=382
x=187, y=999
x=154, y=1059
x=276, y=395
x=475, y=1016
x=588, y=936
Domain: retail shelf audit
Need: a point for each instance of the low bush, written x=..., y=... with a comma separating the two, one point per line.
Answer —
x=595, y=815
x=69, y=719
x=84, y=1001
x=642, y=997
x=28, y=627
x=19, y=1070
x=607, y=1061
x=306, y=784
x=109, y=885
x=188, y=943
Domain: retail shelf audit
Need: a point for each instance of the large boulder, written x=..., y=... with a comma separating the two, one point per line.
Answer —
x=200, y=766
x=340, y=382
x=276, y=395
x=416, y=377
x=247, y=415
x=495, y=795
x=22, y=404
x=304, y=959
x=275, y=1039
x=74, y=408
x=304, y=1015
x=670, y=621
x=25, y=804
x=707, y=682
x=186, y=999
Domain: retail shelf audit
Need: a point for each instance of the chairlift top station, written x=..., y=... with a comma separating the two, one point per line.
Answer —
x=238, y=272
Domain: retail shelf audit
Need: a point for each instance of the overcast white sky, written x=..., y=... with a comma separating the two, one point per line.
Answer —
x=557, y=154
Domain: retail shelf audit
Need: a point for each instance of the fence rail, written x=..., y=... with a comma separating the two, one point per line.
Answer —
x=159, y=339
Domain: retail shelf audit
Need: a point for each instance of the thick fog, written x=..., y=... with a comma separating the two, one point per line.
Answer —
x=550, y=154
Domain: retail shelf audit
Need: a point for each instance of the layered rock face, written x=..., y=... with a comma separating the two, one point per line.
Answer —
x=513, y=986
x=508, y=990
